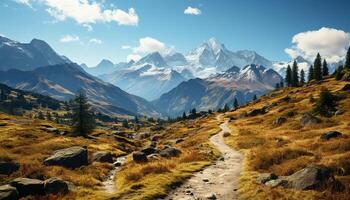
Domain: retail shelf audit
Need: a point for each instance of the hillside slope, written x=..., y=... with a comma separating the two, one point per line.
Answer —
x=279, y=142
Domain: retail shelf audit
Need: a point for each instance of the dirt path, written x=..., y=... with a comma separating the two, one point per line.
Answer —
x=219, y=180
x=109, y=184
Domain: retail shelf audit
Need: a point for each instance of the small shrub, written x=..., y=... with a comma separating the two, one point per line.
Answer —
x=326, y=104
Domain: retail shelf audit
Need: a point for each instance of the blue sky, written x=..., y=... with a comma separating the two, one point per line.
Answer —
x=266, y=26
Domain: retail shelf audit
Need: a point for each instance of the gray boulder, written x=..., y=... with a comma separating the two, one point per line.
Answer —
x=265, y=177
x=311, y=177
x=170, y=152
x=211, y=196
x=27, y=186
x=139, y=157
x=330, y=134
x=309, y=119
x=72, y=157
x=8, y=166
x=276, y=182
x=55, y=185
x=104, y=157
x=7, y=192
x=149, y=151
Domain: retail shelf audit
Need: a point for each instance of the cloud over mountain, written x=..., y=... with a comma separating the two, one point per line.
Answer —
x=331, y=43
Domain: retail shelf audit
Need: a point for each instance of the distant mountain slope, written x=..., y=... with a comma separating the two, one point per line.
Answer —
x=148, y=82
x=13, y=100
x=63, y=81
x=215, y=91
x=106, y=67
x=23, y=56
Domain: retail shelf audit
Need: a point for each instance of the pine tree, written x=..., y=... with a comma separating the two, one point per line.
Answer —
x=254, y=97
x=277, y=86
x=318, y=68
x=83, y=121
x=326, y=104
x=289, y=76
x=339, y=73
x=302, y=77
x=184, y=115
x=136, y=120
x=281, y=84
x=125, y=124
x=295, y=74
x=235, y=103
x=347, y=61
x=3, y=95
x=325, y=71
x=311, y=73
x=226, y=108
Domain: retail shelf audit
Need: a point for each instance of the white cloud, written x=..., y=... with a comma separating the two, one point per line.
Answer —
x=86, y=12
x=149, y=45
x=331, y=43
x=24, y=2
x=69, y=38
x=126, y=47
x=134, y=57
x=95, y=41
x=192, y=11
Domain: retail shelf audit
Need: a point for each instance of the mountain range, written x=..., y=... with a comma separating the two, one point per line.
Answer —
x=61, y=79
x=27, y=56
x=216, y=91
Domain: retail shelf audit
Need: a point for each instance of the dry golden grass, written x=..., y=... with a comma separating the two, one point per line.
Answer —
x=289, y=147
x=24, y=141
x=155, y=178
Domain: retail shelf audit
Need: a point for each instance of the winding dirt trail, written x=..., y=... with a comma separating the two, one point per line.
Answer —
x=219, y=180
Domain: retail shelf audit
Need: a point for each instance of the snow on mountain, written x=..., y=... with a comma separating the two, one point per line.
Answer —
x=217, y=90
x=27, y=56
x=212, y=57
x=148, y=81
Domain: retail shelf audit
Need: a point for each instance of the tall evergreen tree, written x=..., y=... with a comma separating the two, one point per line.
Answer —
x=288, y=76
x=184, y=116
x=235, y=103
x=226, y=108
x=325, y=71
x=277, y=86
x=318, y=68
x=339, y=73
x=347, y=61
x=255, y=97
x=83, y=121
x=295, y=74
x=302, y=77
x=282, y=84
x=311, y=73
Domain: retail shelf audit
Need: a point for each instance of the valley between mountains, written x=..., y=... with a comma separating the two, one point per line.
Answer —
x=209, y=124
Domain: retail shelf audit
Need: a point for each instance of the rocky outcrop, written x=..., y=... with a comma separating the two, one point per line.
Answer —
x=27, y=186
x=311, y=177
x=101, y=156
x=149, y=151
x=170, y=152
x=55, y=185
x=265, y=177
x=330, y=134
x=72, y=157
x=8, y=166
x=309, y=119
x=7, y=192
x=139, y=157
